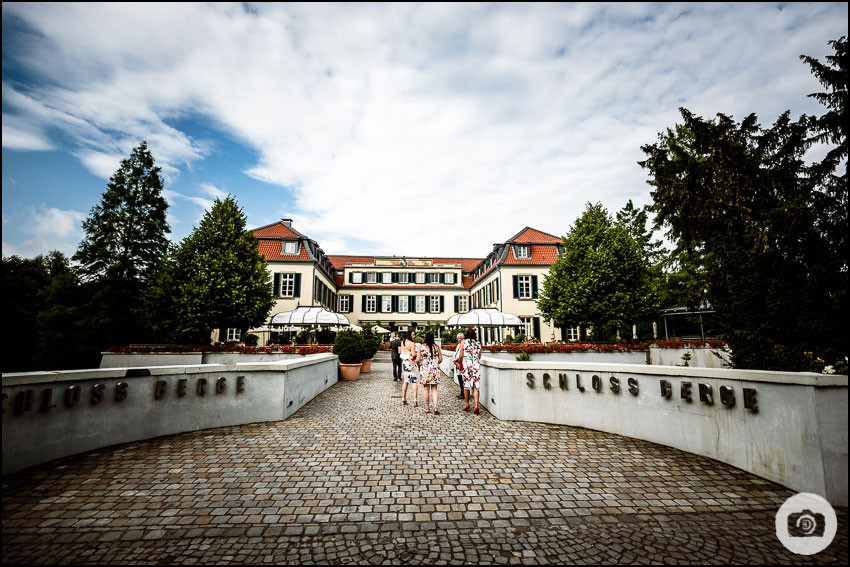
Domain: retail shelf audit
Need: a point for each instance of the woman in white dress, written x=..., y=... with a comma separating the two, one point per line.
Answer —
x=409, y=368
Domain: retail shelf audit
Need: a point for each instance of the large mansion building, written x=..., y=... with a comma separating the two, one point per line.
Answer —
x=401, y=292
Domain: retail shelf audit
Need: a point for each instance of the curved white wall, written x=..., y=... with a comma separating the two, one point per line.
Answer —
x=795, y=435
x=48, y=415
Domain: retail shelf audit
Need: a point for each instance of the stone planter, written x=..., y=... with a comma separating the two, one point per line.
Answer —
x=349, y=371
x=366, y=366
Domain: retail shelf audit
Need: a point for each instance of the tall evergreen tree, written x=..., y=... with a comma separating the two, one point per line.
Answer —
x=768, y=232
x=126, y=236
x=215, y=279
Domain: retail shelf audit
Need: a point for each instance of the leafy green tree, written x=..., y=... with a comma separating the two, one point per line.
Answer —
x=604, y=278
x=41, y=312
x=215, y=279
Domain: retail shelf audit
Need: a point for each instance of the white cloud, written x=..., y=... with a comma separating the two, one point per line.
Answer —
x=48, y=229
x=455, y=124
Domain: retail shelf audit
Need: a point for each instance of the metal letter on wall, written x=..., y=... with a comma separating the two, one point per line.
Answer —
x=596, y=383
x=727, y=396
x=547, y=381
x=97, y=393
x=47, y=399
x=72, y=395
x=181, y=387
x=24, y=400
x=750, y=400
x=633, y=386
x=240, y=384
x=159, y=389
x=529, y=380
x=615, y=384
x=686, y=392
x=666, y=389
x=121, y=391
x=562, y=382
x=220, y=385
x=706, y=395
x=202, y=386
x=579, y=387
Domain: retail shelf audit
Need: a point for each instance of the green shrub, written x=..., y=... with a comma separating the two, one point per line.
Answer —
x=250, y=339
x=507, y=340
x=523, y=357
x=348, y=346
x=304, y=337
x=325, y=336
x=371, y=343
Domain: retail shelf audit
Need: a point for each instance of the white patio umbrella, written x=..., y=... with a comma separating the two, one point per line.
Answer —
x=309, y=317
x=380, y=330
x=484, y=318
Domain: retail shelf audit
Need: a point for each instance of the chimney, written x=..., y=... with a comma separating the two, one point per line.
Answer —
x=286, y=222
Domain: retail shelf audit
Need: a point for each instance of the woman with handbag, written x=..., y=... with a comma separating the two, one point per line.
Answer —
x=407, y=352
x=471, y=356
x=458, y=362
x=428, y=356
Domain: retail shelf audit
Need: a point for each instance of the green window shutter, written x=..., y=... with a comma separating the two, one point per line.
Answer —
x=442, y=278
x=534, y=287
x=537, y=328
x=297, y=285
x=457, y=304
x=442, y=304
x=222, y=335
x=395, y=277
x=364, y=304
x=394, y=305
x=277, y=285
x=497, y=290
x=516, y=286
x=350, y=277
x=427, y=304
x=378, y=306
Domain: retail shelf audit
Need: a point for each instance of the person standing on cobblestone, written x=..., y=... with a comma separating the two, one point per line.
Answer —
x=395, y=344
x=471, y=353
x=428, y=356
x=458, y=364
x=411, y=371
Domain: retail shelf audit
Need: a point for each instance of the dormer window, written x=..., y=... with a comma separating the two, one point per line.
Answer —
x=290, y=248
x=521, y=252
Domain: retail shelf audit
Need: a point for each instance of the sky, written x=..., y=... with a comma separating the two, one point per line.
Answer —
x=380, y=129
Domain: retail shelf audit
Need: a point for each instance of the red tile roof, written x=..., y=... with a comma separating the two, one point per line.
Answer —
x=275, y=230
x=272, y=250
x=466, y=264
x=535, y=237
x=538, y=255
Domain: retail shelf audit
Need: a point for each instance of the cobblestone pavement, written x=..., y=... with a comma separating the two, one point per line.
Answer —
x=356, y=477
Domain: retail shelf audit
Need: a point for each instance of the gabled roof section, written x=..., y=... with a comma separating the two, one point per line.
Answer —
x=540, y=255
x=272, y=251
x=534, y=236
x=276, y=230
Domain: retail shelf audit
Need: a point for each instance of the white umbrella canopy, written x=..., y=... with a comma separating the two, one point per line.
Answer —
x=484, y=318
x=309, y=317
x=381, y=330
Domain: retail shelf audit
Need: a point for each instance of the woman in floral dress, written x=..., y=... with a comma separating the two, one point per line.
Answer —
x=408, y=365
x=471, y=356
x=429, y=357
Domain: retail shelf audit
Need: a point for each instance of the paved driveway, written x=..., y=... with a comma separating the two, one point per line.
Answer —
x=356, y=477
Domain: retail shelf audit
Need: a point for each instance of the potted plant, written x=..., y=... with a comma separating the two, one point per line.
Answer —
x=371, y=343
x=349, y=348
